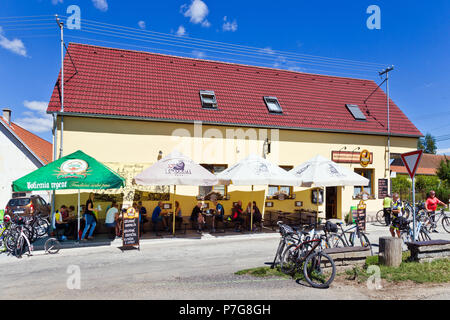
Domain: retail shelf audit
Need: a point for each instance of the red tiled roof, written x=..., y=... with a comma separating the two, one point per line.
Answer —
x=116, y=82
x=428, y=165
x=40, y=147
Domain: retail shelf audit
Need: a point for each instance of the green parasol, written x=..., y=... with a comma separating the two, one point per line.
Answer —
x=74, y=171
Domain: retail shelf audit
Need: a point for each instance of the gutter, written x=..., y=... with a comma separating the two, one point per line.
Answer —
x=117, y=117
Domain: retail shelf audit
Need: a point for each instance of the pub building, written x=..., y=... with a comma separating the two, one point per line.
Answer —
x=129, y=108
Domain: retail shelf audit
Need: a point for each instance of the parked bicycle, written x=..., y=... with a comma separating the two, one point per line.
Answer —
x=430, y=221
x=356, y=237
x=318, y=267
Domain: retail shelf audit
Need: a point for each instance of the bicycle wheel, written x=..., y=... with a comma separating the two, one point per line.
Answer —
x=380, y=217
x=446, y=224
x=335, y=241
x=365, y=242
x=41, y=226
x=289, y=260
x=10, y=240
x=278, y=254
x=319, y=270
x=52, y=246
x=424, y=235
x=19, y=246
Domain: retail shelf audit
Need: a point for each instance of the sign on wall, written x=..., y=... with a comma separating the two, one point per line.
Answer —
x=348, y=157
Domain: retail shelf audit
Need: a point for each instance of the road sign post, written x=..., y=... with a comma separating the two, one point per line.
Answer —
x=411, y=161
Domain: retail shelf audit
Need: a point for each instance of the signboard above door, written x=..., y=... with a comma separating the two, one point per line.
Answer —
x=348, y=157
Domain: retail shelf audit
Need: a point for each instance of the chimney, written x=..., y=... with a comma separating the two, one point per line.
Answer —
x=7, y=115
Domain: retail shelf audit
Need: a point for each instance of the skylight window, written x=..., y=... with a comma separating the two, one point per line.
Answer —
x=208, y=99
x=273, y=105
x=356, y=112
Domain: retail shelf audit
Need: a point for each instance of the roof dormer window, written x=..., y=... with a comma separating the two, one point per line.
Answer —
x=356, y=112
x=273, y=105
x=208, y=99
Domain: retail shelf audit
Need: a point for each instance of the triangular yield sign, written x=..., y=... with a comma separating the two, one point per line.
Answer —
x=411, y=161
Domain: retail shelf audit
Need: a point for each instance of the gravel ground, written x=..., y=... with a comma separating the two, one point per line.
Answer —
x=183, y=269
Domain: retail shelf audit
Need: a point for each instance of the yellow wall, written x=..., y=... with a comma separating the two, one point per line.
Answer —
x=135, y=144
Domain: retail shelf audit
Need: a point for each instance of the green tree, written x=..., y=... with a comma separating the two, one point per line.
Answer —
x=443, y=172
x=424, y=184
x=427, y=144
x=402, y=185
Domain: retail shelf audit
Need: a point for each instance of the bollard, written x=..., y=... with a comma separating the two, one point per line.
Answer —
x=390, y=253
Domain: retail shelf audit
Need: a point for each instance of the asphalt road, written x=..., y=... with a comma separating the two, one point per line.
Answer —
x=177, y=269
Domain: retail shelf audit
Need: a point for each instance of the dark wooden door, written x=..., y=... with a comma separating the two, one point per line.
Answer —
x=331, y=203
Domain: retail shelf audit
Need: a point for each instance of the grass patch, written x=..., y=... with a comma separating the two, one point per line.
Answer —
x=263, y=272
x=437, y=271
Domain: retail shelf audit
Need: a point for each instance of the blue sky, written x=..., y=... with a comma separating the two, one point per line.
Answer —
x=414, y=37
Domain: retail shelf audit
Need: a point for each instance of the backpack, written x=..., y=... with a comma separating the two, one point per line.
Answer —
x=331, y=227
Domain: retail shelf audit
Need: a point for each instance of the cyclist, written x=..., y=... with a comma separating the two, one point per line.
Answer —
x=396, y=209
x=387, y=203
x=431, y=205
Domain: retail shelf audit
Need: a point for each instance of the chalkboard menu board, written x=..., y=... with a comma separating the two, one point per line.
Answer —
x=359, y=215
x=383, y=188
x=130, y=227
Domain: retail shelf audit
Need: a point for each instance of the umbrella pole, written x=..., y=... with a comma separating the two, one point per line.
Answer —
x=78, y=219
x=173, y=216
x=251, y=215
x=264, y=206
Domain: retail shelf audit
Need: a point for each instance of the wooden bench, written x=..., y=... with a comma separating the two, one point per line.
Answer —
x=429, y=250
x=347, y=257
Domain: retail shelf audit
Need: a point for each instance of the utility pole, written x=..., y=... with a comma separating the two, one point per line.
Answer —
x=61, y=27
x=386, y=71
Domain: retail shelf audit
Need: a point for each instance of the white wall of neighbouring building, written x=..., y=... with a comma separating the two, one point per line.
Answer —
x=14, y=163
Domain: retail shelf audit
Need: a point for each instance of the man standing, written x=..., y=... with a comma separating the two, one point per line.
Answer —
x=142, y=217
x=397, y=220
x=387, y=203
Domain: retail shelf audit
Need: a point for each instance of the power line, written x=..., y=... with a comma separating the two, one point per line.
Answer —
x=217, y=43
x=189, y=54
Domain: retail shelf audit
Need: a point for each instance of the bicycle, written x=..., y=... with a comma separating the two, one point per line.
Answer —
x=406, y=233
x=430, y=221
x=319, y=268
x=287, y=238
x=22, y=243
x=356, y=235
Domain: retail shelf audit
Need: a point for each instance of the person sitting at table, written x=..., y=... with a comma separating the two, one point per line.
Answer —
x=112, y=215
x=157, y=217
x=236, y=216
x=178, y=215
x=257, y=217
x=60, y=224
x=142, y=217
x=197, y=217
x=71, y=220
x=218, y=215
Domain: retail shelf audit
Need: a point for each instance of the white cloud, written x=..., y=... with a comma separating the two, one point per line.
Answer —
x=229, y=26
x=198, y=54
x=141, y=24
x=197, y=12
x=443, y=151
x=15, y=45
x=267, y=50
x=181, y=31
x=36, y=120
x=101, y=5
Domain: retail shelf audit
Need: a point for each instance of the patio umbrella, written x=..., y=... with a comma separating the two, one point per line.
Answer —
x=255, y=170
x=321, y=172
x=176, y=169
x=74, y=171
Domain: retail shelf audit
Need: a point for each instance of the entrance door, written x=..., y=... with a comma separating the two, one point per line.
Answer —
x=331, y=203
